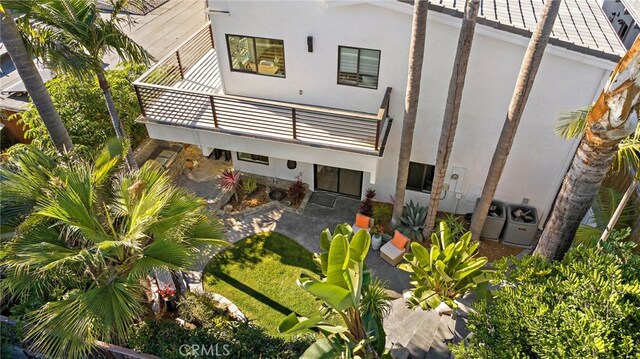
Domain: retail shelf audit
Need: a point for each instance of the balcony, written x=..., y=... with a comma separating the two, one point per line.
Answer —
x=183, y=90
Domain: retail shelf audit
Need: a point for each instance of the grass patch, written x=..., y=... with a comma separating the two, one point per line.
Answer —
x=258, y=274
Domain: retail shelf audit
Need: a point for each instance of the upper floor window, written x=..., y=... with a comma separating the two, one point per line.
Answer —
x=358, y=67
x=420, y=177
x=256, y=55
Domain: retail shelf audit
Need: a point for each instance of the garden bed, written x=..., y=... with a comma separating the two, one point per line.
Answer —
x=255, y=199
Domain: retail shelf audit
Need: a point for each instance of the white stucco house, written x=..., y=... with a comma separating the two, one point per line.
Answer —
x=318, y=87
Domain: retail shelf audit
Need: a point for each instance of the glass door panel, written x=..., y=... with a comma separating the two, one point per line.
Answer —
x=339, y=180
x=327, y=178
x=350, y=182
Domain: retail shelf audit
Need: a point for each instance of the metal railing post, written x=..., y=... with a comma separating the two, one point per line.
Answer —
x=213, y=110
x=293, y=121
x=137, y=89
x=180, y=65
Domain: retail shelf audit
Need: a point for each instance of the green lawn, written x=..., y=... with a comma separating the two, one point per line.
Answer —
x=259, y=274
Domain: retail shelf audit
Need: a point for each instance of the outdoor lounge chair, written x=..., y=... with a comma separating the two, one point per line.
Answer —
x=393, y=250
x=362, y=222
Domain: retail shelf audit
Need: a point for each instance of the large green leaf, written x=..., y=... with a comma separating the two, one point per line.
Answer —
x=322, y=349
x=359, y=246
x=292, y=323
x=441, y=268
x=421, y=254
x=325, y=239
x=338, y=261
x=336, y=297
x=466, y=269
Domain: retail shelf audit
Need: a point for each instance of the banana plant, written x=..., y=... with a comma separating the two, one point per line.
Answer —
x=448, y=270
x=340, y=288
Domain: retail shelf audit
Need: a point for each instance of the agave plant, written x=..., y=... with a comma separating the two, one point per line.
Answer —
x=93, y=235
x=342, y=289
x=447, y=271
x=413, y=220
x=230, y=180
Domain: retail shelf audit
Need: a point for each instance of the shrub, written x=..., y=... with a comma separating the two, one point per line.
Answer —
x=249, y=185
x=296, y=191
x=382, y=213
x=448, y=270
x=83, y=110
x=413, y=220
x=583, y=307
x=241, y=339
x=200, y=310
x=366, y=206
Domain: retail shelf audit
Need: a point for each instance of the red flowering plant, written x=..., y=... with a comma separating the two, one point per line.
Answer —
x=166, y=292
x=377, y=229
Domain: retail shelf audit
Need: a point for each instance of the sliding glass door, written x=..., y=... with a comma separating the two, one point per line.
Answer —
x=338, y=180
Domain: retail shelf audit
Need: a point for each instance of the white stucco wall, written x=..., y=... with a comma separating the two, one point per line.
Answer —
x=538, y=160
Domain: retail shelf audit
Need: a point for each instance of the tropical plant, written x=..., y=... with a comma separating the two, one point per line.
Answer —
x=71, y=36
x=456, y=225
x=585, y=306
x=452, y=110
x=296, y=190
x=448, y=270
x=341, y=289
x=524, y=84
x=94, y=235
x=414, y=76
x=32, y=80
x=249, y=185
x=609, y=123
x=83, y=112
x=366, y=206
x=604, y=206
x=413, y=220
x=376, y=300
x=230, y=180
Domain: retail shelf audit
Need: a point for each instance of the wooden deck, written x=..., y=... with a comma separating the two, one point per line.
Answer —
x=183, y=89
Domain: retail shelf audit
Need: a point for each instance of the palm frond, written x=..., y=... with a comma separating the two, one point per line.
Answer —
x=572, y=124
x=605, y=204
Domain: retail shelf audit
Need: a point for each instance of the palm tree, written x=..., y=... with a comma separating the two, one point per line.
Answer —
x=524, y=84
x=452, y=109
x=33, y=82
x=612, y=118
x=71, y=36
x=414, y=75
x=92, y=236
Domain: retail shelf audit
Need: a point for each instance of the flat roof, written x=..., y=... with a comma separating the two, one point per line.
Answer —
x=581, y=25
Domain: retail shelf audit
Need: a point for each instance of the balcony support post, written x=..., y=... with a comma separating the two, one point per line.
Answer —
x=378, y=127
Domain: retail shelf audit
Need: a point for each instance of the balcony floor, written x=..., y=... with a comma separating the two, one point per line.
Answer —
x=204, y=76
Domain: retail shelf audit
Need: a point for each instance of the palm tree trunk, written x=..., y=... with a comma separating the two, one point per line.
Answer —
x=414, y=75
x=619, y=209
x=613, y=117
x=115, y=119
x=524, y=84
x=452, y=109
x=33, y=83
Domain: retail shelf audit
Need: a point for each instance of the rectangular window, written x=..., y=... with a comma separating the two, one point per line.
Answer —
x=256, y=55
x=249, y=157
x=420, y=177
x=358, y=67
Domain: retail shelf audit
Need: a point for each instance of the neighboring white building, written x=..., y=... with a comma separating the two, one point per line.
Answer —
x=317, y=56
x=625, y=17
